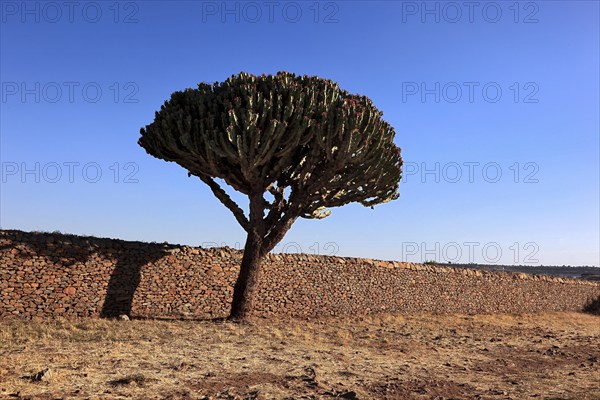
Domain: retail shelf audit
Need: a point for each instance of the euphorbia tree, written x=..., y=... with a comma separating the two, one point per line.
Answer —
x=295, y=145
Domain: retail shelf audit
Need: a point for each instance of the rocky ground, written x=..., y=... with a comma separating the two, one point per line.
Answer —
x=544, y=356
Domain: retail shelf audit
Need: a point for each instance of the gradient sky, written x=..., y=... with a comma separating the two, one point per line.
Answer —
x=434, y=69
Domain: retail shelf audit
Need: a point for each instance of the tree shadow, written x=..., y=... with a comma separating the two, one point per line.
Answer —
x=72, y=250
x=125, y=279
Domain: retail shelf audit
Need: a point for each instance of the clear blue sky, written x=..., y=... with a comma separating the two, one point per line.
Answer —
x=434, y=69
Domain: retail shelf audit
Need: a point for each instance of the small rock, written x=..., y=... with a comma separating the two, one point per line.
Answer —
x=42, y=376
x=70, y=291
x=123, y=317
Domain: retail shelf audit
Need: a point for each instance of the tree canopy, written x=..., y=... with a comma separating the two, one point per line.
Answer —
x=271, y=132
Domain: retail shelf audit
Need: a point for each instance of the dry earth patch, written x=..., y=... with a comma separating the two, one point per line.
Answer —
x=542, y=356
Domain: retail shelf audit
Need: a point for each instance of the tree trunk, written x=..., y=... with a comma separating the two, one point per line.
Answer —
x=247, y=282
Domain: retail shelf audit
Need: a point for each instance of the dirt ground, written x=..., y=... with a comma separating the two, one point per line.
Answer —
x=544, y=356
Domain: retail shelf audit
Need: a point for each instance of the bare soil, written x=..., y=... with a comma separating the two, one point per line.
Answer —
x=544, y=356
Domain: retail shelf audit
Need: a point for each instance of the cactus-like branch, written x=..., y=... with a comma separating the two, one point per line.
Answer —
x=277, y=206
x=220, y=194
x=278, y=231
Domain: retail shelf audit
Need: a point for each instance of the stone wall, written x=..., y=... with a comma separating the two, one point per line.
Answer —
x=51, y=275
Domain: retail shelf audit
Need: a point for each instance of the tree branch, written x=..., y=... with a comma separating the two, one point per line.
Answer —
x=275, y=209
x=278, y=231
x=220, y=194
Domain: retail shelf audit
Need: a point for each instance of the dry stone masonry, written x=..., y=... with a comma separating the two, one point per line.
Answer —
x=51, y=275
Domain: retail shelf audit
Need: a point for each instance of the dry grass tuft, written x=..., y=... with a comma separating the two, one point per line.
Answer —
x=593, y=307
